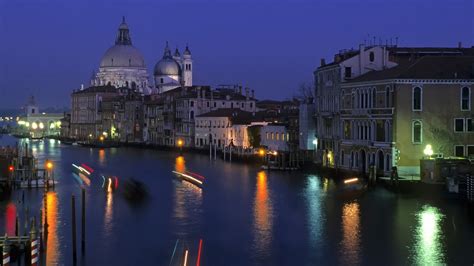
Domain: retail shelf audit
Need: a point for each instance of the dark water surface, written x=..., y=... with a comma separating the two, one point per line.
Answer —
x=243, y=215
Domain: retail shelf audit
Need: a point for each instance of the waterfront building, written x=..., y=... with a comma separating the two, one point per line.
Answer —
x=227, y=127
x=347, y=64
x=38, y=124
x=307, y=126
x=394, y=117
x=86, y=116
x=123, y=64
x=170, y=115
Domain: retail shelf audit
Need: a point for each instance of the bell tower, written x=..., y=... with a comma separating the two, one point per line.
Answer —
x=187, y=67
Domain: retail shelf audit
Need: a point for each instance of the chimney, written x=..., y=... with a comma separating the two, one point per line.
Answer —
x=253, y=94
x=247, y=94
x=240, y=89
x=323, y=62
x=459, y=45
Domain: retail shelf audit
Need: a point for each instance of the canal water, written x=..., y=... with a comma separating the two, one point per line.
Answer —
x=244, y=216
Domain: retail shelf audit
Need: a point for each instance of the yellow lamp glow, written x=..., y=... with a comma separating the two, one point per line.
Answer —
x=428, y=151
x=180, y=143
x=34, y=125
x=261, y=152
x=41, y=125
x=49, y=165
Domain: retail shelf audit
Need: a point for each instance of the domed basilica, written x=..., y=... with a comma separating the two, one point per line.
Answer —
x=124, y=66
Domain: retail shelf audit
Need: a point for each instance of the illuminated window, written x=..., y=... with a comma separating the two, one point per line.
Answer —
x=277, y=136
x=465, y=99
x=417, y=99
x=459, y=125
x=416, y=132
x=459, y=151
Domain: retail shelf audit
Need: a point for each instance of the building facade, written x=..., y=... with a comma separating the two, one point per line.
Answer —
x=390, y=117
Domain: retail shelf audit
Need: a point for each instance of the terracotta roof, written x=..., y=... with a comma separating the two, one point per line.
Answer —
x=426, y=67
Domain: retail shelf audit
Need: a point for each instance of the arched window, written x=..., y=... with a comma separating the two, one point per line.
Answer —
x=387, y=97
x=417, y=132
x=417, y=99
x=465, y=99
x=371, y=56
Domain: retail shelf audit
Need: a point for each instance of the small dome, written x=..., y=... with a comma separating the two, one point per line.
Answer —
x=167, y=66
x=122, y=56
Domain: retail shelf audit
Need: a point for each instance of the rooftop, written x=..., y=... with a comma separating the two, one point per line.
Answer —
x=426, y=67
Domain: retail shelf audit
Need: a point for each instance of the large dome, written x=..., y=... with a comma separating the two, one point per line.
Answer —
x=121, y=55
x=167, y=66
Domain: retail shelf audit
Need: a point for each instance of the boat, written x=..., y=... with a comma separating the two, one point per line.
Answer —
x=190, y=177
x=134, y=191
x=352, y=188
x=80, y=170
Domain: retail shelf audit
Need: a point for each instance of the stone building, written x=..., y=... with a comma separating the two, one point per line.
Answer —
x=390, y=117
x=170, y=115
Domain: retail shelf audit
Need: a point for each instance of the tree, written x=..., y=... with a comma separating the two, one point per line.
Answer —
x=254, y=136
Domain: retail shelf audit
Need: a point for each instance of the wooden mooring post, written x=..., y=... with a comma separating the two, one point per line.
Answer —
x=83, y=219
x=73, y=217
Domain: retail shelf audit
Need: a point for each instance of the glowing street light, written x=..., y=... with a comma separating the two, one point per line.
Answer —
x=428, y=151
x=34, y=125
x=261, y=152
x=180, y=143
x=101, y=138
x=49, y=165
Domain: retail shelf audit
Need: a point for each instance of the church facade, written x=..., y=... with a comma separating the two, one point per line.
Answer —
x=123, y=65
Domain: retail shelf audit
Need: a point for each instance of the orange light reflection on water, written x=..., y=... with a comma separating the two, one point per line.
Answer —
x=52, y=251
x=351, y=233
x=263, y=214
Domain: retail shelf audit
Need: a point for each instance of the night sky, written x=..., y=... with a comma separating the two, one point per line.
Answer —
x=48, y=48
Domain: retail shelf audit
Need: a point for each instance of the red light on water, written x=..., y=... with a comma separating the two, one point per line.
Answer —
x=88, y=168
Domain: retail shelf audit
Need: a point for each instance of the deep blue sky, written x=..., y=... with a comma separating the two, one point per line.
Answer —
x=48, y=48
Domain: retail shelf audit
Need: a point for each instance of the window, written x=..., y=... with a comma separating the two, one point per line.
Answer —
x=207, y=104
x=459, y=125
x=161, y=80
x=387, y=97
x=469, y=125
x=347, y=72
x=192, y=115
x=192, y=103
x=342, y=157
x=272, y=136
x=416, y=132
x=459, y=151
x=277, y=136
x=470, y=150
x=371, y=56
x=465, y=99
x=215, y=104
x=417, y=101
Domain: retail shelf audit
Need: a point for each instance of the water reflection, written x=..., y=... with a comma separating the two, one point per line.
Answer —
x=315, y=219
x=10, y=216
x=102, y=157
x=187, y=200
x=428, y=248
x=180, y=164
x=52, y=250
x=108, y=208
x=263, y=215
x=351, y=233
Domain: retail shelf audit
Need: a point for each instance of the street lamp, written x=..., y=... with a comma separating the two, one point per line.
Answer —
x=180, y=145
x=428, y=151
